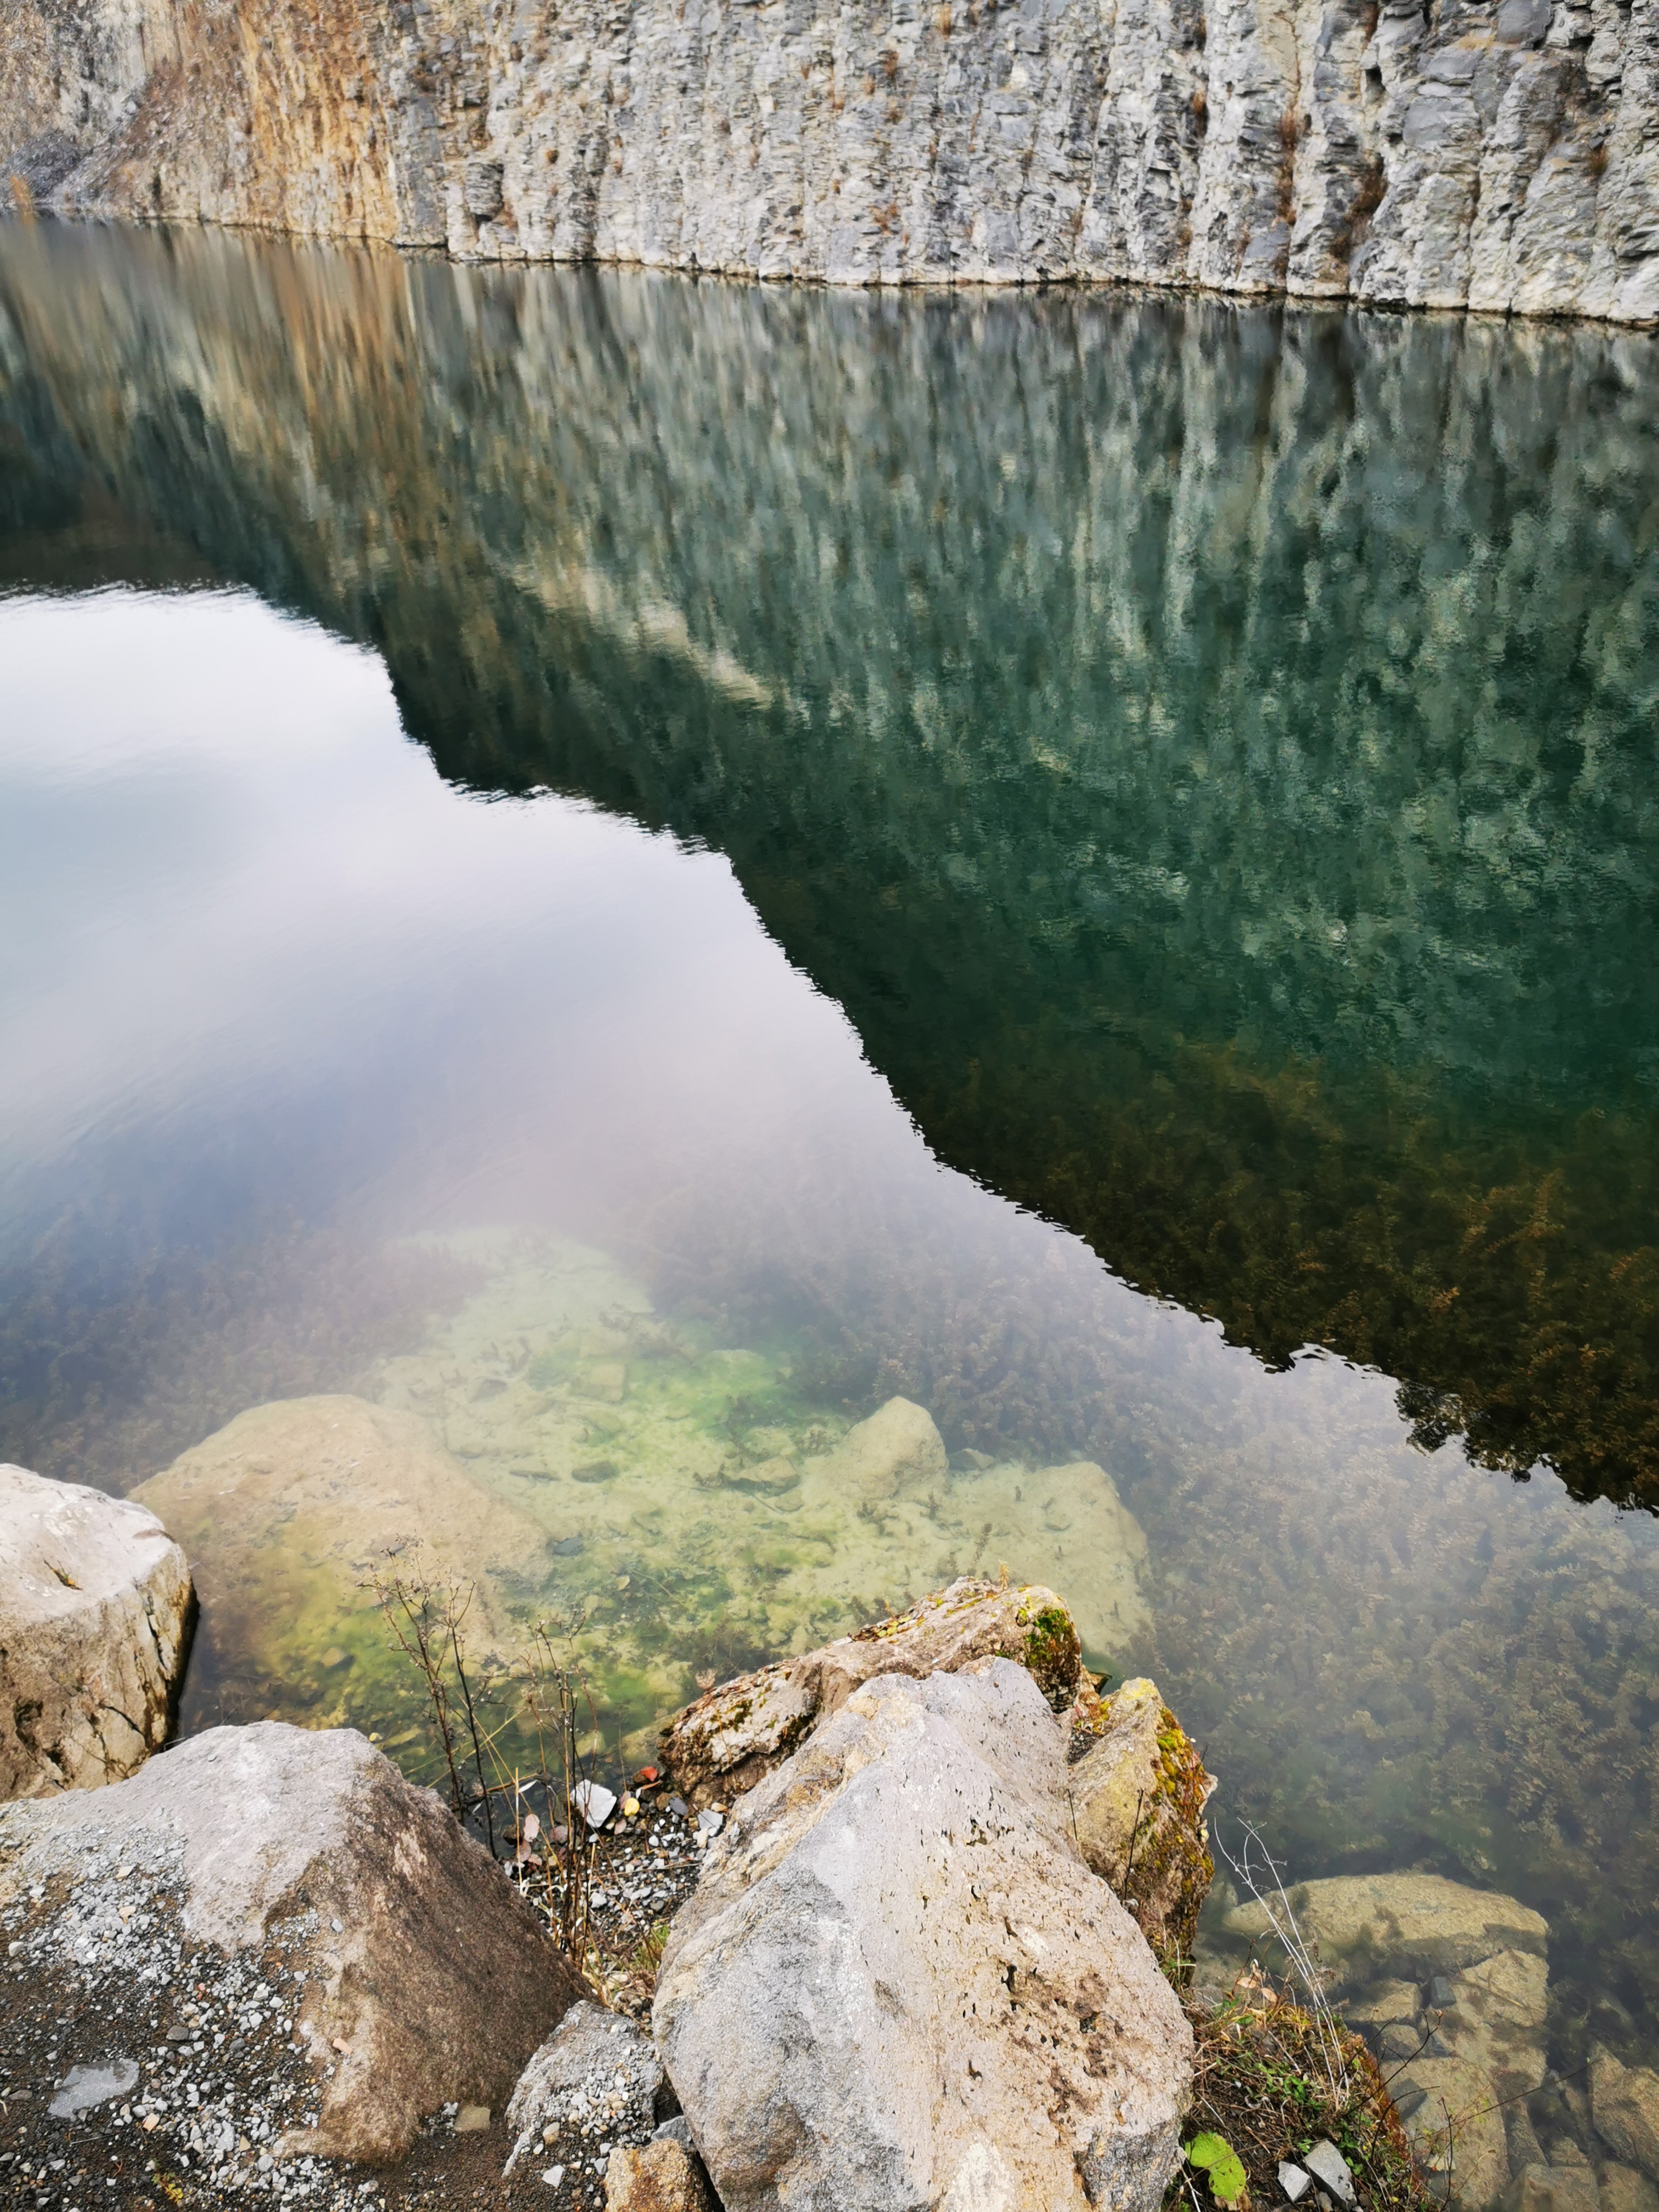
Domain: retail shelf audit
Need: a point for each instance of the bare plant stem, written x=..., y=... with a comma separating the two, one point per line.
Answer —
x=425, y=1617
x=412, y=1602
x=454, y=1617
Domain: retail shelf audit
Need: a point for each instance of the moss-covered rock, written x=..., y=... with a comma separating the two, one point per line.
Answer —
x=737, y=1733
x=1273, y=2080
x=1139, y=1792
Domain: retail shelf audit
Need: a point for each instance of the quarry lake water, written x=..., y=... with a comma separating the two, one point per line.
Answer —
x=601, y=876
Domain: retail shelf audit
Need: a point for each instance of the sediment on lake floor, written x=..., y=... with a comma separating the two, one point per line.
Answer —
x=674, y=1507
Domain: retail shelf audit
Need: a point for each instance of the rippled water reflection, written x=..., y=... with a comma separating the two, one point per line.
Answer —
x=637, y=869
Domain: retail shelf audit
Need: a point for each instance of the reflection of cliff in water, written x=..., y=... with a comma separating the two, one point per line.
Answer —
x=1209, y=753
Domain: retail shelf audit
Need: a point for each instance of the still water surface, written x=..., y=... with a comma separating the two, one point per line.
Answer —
x=599, y=877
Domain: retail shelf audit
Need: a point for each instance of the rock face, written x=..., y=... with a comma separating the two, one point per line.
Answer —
x=1502, y=155
x=898, y=1986
x=417, y=1977
x=595, y=2080
x=1137, y=1802
x=736, y=1734
x=95, y=1611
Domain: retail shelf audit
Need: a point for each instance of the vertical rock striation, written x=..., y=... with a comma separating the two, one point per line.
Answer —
x=1503, y=157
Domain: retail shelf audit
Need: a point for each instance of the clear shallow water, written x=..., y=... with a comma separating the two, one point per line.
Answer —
x=620, y=872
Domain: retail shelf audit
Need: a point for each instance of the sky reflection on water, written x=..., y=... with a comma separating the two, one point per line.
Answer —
x=1007, y=798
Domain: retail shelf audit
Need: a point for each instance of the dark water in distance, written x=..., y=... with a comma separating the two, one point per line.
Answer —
x=1195, y=770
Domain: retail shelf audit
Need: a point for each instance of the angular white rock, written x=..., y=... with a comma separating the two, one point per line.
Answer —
x=95, y=1608
x=595, y=1802
x=897, y=1985
x=1326, y=2163
x=85, y=2087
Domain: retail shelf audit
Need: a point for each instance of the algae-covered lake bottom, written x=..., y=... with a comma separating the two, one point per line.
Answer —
x=1012, y=935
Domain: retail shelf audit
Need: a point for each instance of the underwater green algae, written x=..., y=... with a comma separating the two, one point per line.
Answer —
x=1388, y=1658
x=675, y=1509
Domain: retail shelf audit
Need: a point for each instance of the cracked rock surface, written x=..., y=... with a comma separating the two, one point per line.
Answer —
x=95, y=1611
x=1502, y=155
x=905, y=1885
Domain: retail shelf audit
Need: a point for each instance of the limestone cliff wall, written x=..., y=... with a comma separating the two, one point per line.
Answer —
x=1502, y=155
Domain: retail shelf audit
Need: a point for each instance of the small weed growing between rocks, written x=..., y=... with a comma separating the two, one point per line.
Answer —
x=606, y=1868
x=1262, y=2083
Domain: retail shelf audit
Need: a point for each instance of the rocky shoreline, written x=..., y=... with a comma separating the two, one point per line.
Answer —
x=920, y=1922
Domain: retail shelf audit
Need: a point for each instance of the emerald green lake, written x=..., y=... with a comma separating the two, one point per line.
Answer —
x=601, y=876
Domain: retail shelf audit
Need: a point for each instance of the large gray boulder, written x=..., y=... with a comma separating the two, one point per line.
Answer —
x=96, y=1610
x=405, y=1971
x=898, y=1986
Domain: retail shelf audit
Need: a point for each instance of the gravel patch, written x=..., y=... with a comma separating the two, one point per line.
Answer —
x=175, y=2073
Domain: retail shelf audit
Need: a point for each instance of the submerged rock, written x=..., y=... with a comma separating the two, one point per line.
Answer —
x=709, y=1519
x=287, y=1509
x=1496, y=2018
x=419, y=1977
x=1136, y=1799
x=897, y=1986
x=1542, y=2188
x=760, y=1520
x=736, y=1734
x=1378, y=1926
x=1624, y=2189
x=96, y=1610
x=1456, y=2133
x=1625, y=2107
x=1452, y=1980
x=898, y=1448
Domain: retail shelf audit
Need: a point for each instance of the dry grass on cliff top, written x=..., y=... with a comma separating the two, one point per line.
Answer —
x=1272, y=2079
